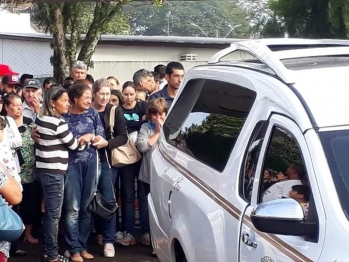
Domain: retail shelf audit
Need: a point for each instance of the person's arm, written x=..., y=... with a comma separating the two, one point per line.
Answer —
x=143, y=141
x=67, y=138
x=10, y=189
x=119, y=130
x=15, y=141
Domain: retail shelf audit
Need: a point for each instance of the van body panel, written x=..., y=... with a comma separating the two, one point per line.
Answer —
x=204, y=209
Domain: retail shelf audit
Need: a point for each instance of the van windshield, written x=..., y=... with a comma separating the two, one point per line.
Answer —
x=336, y=147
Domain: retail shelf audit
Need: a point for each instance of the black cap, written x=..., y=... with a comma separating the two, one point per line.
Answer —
x=32, y=83
x=25, y=76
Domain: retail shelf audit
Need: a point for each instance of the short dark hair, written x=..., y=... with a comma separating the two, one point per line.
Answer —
x=128, y=84
x=76, y=91
x=299, y=170
x=117, y=93
x=173, y=65
x=7, y=98
x=156, y=76
x=302, y=190
x=90, y=78
x=69, y=78
x=49, y=80
x=161, y=69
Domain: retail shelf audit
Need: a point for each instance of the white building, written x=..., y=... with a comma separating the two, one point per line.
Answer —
x=119, y=56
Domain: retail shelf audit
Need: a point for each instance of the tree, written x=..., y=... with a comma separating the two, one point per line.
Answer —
x=73, y=20
x=201, y=18
x=313, y=18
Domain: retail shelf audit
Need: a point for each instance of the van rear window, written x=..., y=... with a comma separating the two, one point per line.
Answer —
x=207, y=119
x=336, y=147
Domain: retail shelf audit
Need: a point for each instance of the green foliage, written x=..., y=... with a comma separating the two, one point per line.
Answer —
x=189, y=18
x=283, y=152
x=91, y=19
x=213, y=140
x=313, y=18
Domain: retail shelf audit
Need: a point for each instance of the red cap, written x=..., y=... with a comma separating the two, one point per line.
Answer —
x=6, y=70
x=11, y=80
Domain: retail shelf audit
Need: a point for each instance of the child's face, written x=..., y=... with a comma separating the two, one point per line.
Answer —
x=140, y=96
x=159, y=116
x=294, y=194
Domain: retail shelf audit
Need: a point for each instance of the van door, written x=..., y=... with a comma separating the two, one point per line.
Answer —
x=283, y=162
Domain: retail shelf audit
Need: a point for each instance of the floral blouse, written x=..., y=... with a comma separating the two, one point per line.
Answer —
x=81, y=124
x=27, y=173
x=4, y=246
x=7, y=160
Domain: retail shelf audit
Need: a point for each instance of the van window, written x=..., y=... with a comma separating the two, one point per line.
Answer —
x=283, y=169
x=207, y=119
x=336, y=147
x=251, y=160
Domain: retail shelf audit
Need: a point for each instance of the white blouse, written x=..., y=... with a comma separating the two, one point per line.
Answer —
x=13, y=138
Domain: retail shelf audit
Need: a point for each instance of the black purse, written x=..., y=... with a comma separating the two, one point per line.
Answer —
x=99, y=205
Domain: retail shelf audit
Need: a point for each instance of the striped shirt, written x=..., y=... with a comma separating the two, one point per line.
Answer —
x=51, y=152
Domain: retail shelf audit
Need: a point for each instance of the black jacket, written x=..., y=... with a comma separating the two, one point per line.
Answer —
x=119, y=132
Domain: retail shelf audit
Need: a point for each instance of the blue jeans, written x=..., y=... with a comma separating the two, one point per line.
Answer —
x=143, y=190
x=79, y=190
x=128, y=175
x=106, y=187
x=53, y=191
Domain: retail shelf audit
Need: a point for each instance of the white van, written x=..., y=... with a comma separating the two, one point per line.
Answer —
x=283, y=112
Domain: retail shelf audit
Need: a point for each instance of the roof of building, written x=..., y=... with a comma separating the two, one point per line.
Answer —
x=135, y=40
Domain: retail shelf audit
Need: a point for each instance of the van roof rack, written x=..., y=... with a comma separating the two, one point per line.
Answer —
x=270, y=52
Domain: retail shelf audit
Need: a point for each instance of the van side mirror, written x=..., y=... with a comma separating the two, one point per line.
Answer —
x=283, y=217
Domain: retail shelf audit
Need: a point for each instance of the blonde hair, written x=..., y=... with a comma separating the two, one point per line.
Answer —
x=97, y=85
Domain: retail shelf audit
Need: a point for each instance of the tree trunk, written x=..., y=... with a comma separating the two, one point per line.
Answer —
x=103, y=14
x=73, y=21
x=60, y=67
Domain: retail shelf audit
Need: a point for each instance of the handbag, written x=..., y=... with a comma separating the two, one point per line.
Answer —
x=11, y=225
x=99, y=205
x=122, y=155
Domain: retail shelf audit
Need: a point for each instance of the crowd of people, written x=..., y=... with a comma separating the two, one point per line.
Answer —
x=55, y=146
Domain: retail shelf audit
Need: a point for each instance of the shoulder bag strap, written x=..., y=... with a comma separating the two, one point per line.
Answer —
x=112, y=121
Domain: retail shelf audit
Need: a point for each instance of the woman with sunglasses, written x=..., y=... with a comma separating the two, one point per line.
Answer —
x=52, y=157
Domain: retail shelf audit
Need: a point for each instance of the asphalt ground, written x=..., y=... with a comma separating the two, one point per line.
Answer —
x=135, y=253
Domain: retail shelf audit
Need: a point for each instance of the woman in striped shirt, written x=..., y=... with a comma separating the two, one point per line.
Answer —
x=52, y=159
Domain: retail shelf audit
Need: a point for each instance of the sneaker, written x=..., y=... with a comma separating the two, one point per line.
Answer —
x=128, y=240
x=67, y=254
x=109, y=250
x=119, y=236
x=145, y=240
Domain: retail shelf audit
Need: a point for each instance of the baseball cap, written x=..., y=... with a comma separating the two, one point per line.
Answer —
x=26, y=76
x=6, y=70
x=33, y=83
x=11, y=80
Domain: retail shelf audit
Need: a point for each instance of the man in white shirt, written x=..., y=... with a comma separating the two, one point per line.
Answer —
x=32, y=94
x=282, y=188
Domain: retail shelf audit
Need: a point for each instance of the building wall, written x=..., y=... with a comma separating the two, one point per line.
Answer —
x=121, y=61
x=27, y=56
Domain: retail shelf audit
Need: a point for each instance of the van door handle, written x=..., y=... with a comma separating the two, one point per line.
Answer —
x=169, y=202
x=246, y=239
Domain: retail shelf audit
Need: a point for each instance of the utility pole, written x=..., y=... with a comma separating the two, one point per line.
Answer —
x=168, y=23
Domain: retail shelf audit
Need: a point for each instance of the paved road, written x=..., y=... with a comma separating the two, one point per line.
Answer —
x=137, y=253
